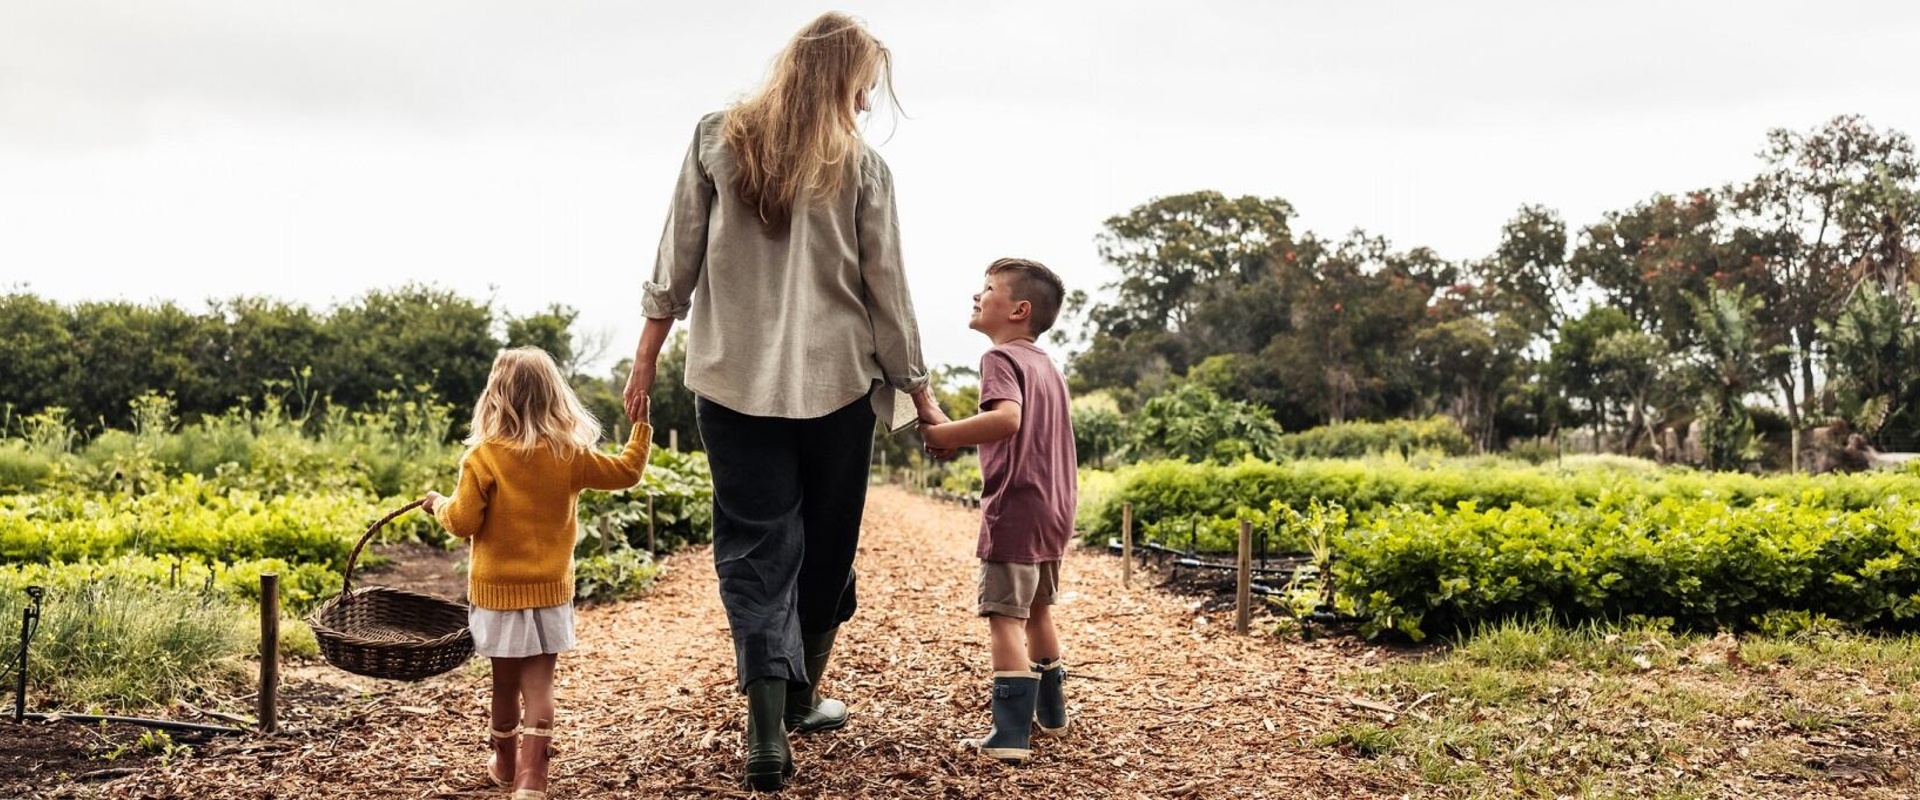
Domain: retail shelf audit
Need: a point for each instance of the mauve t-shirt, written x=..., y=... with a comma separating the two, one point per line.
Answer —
x=1030, y=484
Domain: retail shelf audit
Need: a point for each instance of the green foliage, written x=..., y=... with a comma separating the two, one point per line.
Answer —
x=672, y=403
x=1165, y=490
x=1360, y=439
x=130, y=643
x=619, y=575
x=681, y=485
x=1099, y=429
x=152, y=540
x=207, y=362
x=1416, y=552
x=1701, y=563
x=1728, y=369
x=549, y=330
x=1873, y=354
x=22, y=469
x=962, y=474
x=1193, y=423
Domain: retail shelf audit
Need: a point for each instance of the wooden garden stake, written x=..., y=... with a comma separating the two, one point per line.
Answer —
x=1243, y=581
x=269, y=652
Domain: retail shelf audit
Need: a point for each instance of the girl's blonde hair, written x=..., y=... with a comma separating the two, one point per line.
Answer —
x=798, y=131
x=527, y=404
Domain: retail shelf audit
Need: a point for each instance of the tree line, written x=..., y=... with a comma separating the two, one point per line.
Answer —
x=93, y=358
x=1737, y=313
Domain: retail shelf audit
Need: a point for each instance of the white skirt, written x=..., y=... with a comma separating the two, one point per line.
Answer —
x=522, y=632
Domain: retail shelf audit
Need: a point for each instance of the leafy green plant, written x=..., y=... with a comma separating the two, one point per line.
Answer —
x=618, y=575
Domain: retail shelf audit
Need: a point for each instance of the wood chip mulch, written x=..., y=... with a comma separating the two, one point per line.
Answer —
x=1166, y=701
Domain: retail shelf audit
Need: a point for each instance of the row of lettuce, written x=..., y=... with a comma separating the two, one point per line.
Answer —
x=1432, y=546
x=151, y=542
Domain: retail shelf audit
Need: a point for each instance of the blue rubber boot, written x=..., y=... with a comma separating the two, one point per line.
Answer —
x=1014, y=694
x=1050, y=711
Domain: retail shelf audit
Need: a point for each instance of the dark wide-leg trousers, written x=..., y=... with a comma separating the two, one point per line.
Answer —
x=787, y=499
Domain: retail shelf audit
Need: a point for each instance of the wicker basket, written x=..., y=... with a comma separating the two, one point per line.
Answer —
x=383, y=632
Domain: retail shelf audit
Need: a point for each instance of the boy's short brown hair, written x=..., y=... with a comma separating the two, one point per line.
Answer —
x=1037, y=286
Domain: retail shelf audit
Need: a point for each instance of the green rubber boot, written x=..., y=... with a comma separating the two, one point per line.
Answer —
x=769, y=762
x=807, y=711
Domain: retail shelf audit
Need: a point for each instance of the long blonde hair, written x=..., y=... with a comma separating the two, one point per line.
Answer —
x=798, y=130
x=527, y=404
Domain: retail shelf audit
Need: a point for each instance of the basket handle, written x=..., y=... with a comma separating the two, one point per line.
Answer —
x=346, y=584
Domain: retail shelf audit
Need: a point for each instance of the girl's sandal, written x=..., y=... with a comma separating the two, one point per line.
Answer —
x=551, y=751
x=494, y=759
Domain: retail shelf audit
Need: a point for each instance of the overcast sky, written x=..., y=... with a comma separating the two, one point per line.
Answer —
x=191, y=149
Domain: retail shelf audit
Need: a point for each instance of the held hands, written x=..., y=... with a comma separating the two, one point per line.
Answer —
x=929, y=434
x=931, y=418
x=638, y=394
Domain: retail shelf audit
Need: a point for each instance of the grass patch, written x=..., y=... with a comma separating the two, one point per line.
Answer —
x=1536, y=709
x=1364, y=740
x=129, y=645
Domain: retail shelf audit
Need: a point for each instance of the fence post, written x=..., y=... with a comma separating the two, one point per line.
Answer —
x=269, y=652
x=1126, y=545
x=673, y=439
x=1243, y=584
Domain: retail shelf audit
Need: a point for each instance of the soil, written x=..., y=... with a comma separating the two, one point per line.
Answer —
x=420, y=568
x=38, y=757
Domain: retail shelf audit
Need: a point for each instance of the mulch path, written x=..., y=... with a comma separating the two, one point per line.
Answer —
x=1166, y=701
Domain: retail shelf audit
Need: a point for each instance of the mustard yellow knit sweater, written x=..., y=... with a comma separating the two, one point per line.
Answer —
x=518, y=508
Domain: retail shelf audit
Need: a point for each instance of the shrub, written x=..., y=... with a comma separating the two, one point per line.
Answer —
x=1359, y=439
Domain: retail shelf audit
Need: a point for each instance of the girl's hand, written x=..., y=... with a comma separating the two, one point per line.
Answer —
x=432, y=499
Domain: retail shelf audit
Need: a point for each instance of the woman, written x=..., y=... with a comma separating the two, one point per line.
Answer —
x=783, y=247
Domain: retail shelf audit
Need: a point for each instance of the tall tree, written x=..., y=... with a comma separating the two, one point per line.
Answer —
x=1728, y=368
x=1648, y=259
x=1528, y=272
x=1574, y=368
x=551, y=330
x=38, y=363
x=395, y=339
x=1828, y=203
x=1174, y=251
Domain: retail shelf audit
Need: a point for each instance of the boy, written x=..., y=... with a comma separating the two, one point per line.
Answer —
x=1027, y=466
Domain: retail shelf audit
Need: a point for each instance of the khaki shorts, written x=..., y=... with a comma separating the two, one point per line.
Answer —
x=1012, y=590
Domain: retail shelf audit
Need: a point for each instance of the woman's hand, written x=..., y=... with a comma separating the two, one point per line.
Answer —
x=432, y=499
x=639, y=391
x=928, y=409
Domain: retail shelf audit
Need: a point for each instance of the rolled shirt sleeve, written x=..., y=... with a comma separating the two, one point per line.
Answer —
x=683, y=245
x=896, y=334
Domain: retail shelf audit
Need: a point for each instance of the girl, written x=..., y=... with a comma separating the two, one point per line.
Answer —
x=803, y=333
x=530, y=453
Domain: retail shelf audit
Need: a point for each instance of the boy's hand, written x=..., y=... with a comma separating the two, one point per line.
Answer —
x=930, y=434
x=432, y=499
